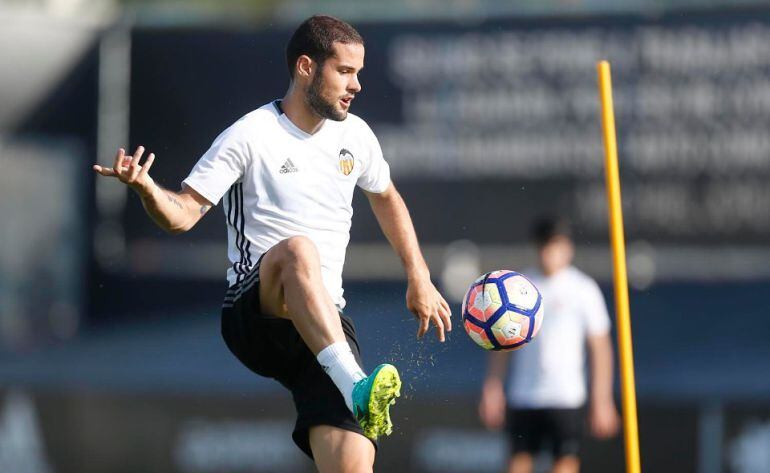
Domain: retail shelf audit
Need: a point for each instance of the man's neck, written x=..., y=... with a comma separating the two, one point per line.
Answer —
x=553, y=272
x=297, y=110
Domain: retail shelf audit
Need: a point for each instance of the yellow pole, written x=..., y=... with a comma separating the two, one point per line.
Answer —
x=628, y=390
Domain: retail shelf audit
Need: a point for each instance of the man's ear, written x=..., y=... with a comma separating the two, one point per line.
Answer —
x=305, y=66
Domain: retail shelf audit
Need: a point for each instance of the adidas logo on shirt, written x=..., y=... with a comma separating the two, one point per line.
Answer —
x=288, y=167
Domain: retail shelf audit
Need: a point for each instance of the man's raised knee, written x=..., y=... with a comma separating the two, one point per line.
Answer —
x=299, y=247
x=297, y=252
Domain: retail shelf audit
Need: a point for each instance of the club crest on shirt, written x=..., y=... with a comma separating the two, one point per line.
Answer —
x=347, y=161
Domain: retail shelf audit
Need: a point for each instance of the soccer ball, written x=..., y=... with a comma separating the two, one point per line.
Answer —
x=502, y=311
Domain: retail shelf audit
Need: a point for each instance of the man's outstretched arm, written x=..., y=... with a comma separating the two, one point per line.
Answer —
x=174, y=212
x=422, y=298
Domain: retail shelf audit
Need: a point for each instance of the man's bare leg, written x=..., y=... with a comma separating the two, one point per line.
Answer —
x=520, y=463
x=290, y=287
x=566, y=464
x=337, y=450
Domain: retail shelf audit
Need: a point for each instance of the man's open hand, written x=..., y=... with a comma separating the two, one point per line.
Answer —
x=128, y=170
x=425, y=302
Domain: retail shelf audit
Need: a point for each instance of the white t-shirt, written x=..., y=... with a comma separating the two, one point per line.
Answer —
x=276, y=182
x=550, y=371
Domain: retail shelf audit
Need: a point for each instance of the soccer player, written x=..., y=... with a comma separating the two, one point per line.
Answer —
x=545, y=391
x=286, y=173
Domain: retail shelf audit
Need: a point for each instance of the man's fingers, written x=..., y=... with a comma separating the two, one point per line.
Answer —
x=132, y=167
x=147, y=164
x=137, y=155
x=446, y=306
x=439, y=327
x=424, y=325
x=118, y=160
x=103, y=171
x=133, y=171
x=444, y=313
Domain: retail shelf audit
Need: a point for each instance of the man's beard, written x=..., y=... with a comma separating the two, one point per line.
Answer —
x=321, y=107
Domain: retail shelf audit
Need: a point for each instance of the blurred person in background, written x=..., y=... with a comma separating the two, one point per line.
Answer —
x=286, y=173
x=539, y=392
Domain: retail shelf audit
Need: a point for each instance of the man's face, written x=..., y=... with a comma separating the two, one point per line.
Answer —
x=556, y=254
x=334, y=85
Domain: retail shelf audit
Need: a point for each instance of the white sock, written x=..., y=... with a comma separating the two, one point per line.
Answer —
x=339, y=363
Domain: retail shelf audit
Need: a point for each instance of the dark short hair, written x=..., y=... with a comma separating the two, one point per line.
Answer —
x=546, y=228
x=315, y=38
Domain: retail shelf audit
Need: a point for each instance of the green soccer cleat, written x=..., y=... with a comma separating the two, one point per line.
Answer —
x=372, y=398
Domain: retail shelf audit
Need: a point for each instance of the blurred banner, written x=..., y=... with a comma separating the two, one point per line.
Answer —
x=498, y=121
x=94, y=433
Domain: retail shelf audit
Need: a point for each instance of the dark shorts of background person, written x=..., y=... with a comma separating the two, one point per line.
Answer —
x=272, y=347
x=533, y=430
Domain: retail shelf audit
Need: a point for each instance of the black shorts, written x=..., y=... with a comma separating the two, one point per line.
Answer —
x=532, y=430
x=272, y=347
